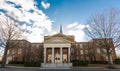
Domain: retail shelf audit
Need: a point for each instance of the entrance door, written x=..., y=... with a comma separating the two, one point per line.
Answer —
x=49, y=58
x=65, y=58
x=57, y=58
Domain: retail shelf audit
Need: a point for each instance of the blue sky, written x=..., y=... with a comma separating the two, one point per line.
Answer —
x=43, y=17
x=69, y=11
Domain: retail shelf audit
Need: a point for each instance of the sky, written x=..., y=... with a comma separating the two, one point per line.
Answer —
x=43, y=17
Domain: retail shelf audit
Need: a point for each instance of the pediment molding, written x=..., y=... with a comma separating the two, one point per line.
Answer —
x=57, y=40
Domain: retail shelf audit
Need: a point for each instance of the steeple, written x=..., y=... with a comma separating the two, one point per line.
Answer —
x=61, y=29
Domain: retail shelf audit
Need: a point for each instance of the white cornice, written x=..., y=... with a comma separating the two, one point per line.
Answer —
x=57, y=40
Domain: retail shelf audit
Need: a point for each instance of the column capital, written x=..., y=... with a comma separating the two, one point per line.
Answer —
x=45, y=47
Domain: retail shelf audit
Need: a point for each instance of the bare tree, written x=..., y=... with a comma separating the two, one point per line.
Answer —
x=105, y=25
x=9, y=30
x=37, y=55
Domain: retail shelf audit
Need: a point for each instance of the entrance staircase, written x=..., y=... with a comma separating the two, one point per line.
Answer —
x=56, y=65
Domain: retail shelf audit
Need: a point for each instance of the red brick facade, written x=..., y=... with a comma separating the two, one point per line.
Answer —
x=91, y=50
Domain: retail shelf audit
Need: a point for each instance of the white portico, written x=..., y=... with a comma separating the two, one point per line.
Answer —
x=57, y=50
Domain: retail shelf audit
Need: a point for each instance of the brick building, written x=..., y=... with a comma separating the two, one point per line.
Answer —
x=59, y=48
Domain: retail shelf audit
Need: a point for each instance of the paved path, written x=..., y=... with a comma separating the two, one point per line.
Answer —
x=90, y=68
x=28, y=69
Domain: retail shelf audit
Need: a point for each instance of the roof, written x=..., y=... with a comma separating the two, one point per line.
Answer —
x=66, y=37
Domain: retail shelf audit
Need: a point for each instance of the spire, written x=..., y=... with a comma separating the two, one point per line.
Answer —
x=61, y=29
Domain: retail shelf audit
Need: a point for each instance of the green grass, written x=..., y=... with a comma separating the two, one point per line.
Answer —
x=15, y=64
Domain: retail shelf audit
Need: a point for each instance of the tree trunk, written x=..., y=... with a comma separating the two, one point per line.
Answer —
x=4, y=57
x=109, y=59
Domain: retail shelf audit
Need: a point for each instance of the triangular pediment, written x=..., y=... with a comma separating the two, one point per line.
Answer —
x=59, y=35
x=57, y=40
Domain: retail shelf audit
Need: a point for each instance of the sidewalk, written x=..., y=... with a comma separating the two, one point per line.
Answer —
x=23, y=67
x=91, y=66
x=104, y=65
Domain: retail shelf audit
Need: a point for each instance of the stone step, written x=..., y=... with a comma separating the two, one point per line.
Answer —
x=56, y=65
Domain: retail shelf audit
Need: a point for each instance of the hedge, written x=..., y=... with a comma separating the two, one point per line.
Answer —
x=117, y=61
x=32, y=64
x=99, y=62
x=16, y=62
x=27, y=64
x=79, y=63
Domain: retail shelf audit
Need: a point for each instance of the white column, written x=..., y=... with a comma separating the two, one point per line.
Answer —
x=44, y=55
x=52, y=54
x=61, y=54
x=68, y=54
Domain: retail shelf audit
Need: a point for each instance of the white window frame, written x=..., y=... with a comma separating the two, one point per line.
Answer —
x=98, y=50
x=8, y=52
x=13, y=51
x=19, y=50
x=81, y=45
x=81, y=52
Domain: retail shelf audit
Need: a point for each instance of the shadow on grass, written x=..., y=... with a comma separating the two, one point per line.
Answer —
x=112, y=67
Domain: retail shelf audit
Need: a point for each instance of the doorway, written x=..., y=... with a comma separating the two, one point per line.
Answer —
x=57, y=58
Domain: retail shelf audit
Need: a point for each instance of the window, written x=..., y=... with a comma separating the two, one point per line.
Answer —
x=86, y=51
x=104, y=50
x=8, y=51
x=21, y=43
x=76, y=45
x=77, y=52
x=98, y=50
x=82, y=57
x=111, y=49
x=108, y=41
x=86, y=45
x=13, y=51
x=26, y=51
x=33, y=45
x=37, y=46
x=104, y=55
x=87, y=58
x=72, y=50
x=27, y=44
x=81, y=51
x=19, y=51
x=97, y=42
x=80, y=45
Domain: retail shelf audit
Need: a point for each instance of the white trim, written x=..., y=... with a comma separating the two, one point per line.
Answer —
x=52, y=40
x=57, y=45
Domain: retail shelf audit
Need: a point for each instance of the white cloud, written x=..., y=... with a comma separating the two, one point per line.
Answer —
x=77, y=30
x=37, y=20
x=26, y=4
x=72, y=25
x=45, y=5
